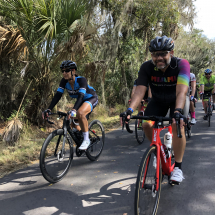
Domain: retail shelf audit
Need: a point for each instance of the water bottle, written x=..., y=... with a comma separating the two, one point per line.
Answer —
x=168, y=143
x=168, y=140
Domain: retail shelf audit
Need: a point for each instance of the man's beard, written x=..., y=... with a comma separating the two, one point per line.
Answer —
x=166, y=63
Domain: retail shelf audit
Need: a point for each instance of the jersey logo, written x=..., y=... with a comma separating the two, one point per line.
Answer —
x=164, y=79
x=155, y=68
x=73, y=91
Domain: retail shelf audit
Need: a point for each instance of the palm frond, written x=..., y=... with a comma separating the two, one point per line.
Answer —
x=12, y=42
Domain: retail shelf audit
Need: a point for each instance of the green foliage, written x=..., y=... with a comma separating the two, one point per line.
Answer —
x=197, y=49
x=109, y=58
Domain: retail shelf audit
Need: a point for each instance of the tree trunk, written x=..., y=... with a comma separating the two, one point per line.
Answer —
x=102, y=78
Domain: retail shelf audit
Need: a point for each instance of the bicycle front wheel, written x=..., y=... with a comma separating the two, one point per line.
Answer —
x=146, y=197
x=54, y=160
x=139, y=133
x=97, y=139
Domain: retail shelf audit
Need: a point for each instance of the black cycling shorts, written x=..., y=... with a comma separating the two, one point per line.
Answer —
x=93, y=101
x=207, y=94
x=146, y=95
x=157, y=108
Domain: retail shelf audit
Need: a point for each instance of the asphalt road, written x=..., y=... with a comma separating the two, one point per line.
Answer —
x=107, y=186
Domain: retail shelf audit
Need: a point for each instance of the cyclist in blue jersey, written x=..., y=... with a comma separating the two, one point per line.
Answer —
x=78, y=88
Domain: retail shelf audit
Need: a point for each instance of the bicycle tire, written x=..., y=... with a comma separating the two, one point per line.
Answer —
x=141, y=205
x=139, y=133
x=189, y=131
x=49, y=154
x=209, y=116
x=97, y=139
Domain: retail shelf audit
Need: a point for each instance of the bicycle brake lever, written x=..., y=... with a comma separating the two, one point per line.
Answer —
x=49, y=121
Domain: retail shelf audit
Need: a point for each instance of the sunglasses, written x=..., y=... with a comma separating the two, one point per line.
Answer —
x=157, y=54
x=208, y=74
x=66, y=70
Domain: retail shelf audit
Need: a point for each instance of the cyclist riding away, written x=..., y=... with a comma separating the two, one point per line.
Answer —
x=193, y=95
x=78, y=88
x=168, y=78
x=207, y=84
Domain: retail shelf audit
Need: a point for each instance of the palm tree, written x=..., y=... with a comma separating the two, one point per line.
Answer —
x=12, y=46
x=52, y=30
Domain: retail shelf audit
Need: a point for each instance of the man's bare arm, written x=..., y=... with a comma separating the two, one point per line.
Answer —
x=193, y=85
x=133, y=90
x=138, y=95
x=181, y=92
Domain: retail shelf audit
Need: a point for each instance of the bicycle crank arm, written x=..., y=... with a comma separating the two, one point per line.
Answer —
x=93, y=144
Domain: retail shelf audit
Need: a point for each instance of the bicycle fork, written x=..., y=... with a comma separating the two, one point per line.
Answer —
x=61, y=153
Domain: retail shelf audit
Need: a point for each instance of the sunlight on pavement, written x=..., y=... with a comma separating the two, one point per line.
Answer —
x=42, y=211
x=89, y=203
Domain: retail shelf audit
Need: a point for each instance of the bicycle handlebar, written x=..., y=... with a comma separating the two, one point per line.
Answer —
x=153, y=118
x=61, y=114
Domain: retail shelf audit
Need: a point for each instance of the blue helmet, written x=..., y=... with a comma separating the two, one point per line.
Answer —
x=68, y=64
x=208, y=71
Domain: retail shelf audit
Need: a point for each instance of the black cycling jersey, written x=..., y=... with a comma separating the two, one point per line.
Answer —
x=80, y=87
x=146, y=94
x=163, y=84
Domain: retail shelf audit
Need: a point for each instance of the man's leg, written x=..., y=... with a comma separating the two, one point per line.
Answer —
x=192, y=112
x=148, y=128
x=179, y=144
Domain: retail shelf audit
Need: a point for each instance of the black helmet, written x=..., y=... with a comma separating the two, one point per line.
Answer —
x=68, y=64
x=161, y=44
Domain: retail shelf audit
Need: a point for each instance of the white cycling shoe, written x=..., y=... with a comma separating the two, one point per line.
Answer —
x=84, y=145
x=193, y=121
x=176, y=176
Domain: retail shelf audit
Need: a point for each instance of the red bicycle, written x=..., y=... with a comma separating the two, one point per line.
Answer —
x=156, y=163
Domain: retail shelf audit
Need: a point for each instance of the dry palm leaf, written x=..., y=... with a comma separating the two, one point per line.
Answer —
x=12, y=130
x=12, y=42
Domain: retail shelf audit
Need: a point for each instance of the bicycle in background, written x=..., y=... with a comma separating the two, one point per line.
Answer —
x=209, y=106
x=139, y=132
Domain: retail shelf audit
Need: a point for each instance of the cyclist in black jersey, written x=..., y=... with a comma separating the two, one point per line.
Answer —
x=78, y=88
x=168, y=78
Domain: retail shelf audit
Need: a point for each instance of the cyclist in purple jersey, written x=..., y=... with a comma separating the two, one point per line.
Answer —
x=168, y=78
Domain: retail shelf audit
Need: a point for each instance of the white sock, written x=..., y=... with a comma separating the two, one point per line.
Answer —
x=86, y=135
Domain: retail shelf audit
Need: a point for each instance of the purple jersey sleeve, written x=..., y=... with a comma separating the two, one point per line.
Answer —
x=184, y=72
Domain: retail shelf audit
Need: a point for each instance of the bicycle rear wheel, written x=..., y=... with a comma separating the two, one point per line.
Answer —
x=139, y=133
x=97, y=139
x=189, y=127
x=55, y=163
x=146, y=197
x=209, y=116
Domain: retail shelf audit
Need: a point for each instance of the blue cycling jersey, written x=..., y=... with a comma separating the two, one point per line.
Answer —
x=80, y=87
